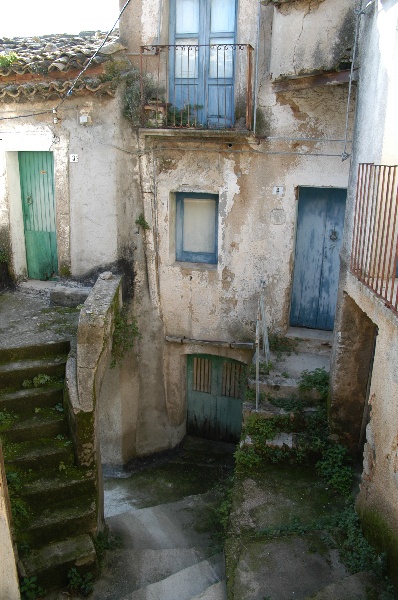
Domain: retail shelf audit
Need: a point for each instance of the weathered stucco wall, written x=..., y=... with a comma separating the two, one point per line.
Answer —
x=375, y=130
x=90, y=199
x=311, y=37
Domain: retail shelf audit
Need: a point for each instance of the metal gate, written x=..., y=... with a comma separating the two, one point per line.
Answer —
x=320, y=225
x=215, y=393
x=37, y=192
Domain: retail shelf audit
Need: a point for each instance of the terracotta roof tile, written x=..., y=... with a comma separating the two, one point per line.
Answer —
x=40, y=69
x=61, y=51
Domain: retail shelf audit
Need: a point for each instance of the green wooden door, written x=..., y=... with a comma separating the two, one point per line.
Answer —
x=37, y=191
x=215, y=391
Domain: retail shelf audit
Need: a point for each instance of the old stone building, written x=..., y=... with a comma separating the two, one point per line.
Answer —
x=364, y=366
x=203, y=150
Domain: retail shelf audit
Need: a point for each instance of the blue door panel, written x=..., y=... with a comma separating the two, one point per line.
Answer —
x=320, y=225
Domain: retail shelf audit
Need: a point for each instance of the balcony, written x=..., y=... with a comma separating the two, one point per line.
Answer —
x=197, y=87
x=374, y=254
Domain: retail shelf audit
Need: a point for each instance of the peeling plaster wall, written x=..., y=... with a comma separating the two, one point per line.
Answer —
x=311, y=36
x=90, y=204
x=374, y=141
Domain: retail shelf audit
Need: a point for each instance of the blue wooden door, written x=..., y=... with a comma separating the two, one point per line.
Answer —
x=320, y=225
x=215, y=391
x=37, y=192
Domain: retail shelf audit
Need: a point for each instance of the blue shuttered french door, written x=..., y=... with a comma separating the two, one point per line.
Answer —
x=202, y=66
x=320, y=225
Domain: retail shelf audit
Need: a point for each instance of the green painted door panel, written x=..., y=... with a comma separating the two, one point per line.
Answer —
x=215, y=392
x=37, y=192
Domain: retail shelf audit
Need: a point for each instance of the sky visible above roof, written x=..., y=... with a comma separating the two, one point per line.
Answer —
x=25, y=18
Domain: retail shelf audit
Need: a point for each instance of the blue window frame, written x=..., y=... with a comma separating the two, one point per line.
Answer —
x=196, y=227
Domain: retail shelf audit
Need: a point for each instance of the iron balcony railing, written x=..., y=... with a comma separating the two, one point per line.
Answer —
x=197, y=86
x=374, y=253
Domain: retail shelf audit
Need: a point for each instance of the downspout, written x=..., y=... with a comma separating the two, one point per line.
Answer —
x=160, y=21
x=256, y=69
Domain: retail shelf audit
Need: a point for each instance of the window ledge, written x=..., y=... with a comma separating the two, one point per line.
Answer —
x=193, y=266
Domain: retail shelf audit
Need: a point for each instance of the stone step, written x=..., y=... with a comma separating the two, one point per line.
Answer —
x=51, y=563
x=71, y=297
x=218, y=591
x=354, y=587
x=185, y=584
x=18, y=353
x=134, y=569
x=27, y=400
x=283, y=379
x=61, y=522
x=55, y=487
x=312, y=341
x=40, y=455
x=36, y=426
x=13, y=374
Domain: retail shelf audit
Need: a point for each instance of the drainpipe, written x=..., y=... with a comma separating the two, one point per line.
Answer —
x=160, y=21
x=256, y=69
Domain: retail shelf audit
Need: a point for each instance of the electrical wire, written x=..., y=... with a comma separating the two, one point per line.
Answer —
x=69, y=92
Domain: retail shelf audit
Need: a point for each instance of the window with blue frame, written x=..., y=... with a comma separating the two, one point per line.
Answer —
x=202, y=69
x=196, y=227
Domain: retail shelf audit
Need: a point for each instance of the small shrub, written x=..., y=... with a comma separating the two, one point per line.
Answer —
x=124, y=335
x=103, y=542
x=335, y=470
x=280, y=344
x=30, y=590
x=141, y=222
x=315, y=380
x=80, y=583
x=6, y=60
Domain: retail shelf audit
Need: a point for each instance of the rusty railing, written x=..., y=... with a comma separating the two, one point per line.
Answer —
x=374, y=253
x=197, y=86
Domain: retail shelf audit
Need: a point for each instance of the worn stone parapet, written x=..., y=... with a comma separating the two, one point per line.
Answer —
x=94, y=337
x=85, y=372
x=9, y=587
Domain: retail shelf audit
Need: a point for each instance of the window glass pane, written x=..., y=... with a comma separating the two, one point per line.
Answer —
x=199, y=225
x=187, y=16
x=221, y=57
x=186, y=59
x=222, y=16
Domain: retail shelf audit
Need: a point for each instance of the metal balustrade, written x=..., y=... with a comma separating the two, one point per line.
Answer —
x=374, y=255
x=197, y=86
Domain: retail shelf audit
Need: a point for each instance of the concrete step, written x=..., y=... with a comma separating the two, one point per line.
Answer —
x=51, y=563
x=172, y=525
x=134, y=569
x=36, y=426
x=312, y=341
x=13, y=374
x=218, y=591
x=62, y=522
x=185, y=584
x=51, y=349
x=67, y=296
x=25, y=401
x=354, y=587
x=283, y=379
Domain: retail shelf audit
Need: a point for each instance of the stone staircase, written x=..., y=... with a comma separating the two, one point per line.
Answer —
x=166, y=550
x=163, y=556
x=309, y=349
x=53, y=500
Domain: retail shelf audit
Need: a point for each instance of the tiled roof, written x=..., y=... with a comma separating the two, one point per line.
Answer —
x=40, y=65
